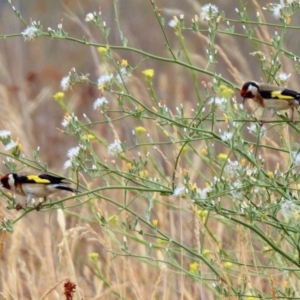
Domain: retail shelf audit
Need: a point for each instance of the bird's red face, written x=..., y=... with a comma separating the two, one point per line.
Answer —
x=5, y=181
x=249, y=90
x=246, y=94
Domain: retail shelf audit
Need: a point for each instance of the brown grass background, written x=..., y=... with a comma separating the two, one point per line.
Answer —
x=47, y=247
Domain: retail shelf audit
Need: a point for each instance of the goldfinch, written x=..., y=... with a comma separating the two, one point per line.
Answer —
x=34, y=186
x=271, y=97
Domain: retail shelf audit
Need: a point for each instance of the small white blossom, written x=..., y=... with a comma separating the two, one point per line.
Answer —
x=296, y=158
x=72, y=154
x=114, y=148
x=289, y=209
x=277, y=10
x=30, y=33
x=4, y=134
x=232, y=167
x=280, y=11
x=217, y=101
x=123, y=75
x=226, y=136
x=68, y=119
x=208, y=12
x=11, y=145
x=203, y=193
x=256, y=130
x=236, y=190
x=252, y=129
x=179, y=190
x=67, y=164
x=104, y=79
x=65, y=83
x=283, y=78
x=173, y=23
x=89, y=17
x=100, y=102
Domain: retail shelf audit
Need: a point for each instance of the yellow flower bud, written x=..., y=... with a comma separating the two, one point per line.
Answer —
x=124, y=63
x=102, y=50
x=194, y=267
x=149, y=73
x=222, y=156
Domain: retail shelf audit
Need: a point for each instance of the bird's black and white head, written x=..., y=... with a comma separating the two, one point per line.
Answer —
x=8, y=181
x=250, y=89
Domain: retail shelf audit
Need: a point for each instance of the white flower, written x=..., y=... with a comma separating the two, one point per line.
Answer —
x=226, y=136
x=114, y=148
x=179, y=190
x=89, y=17
x=123, y=75
x=104, y=79
x=67, y=164
x=252, y=129
x=67, y=120
x=173, y=23
x=217, y=101
x=4, y=134
x=11, y=145
x=30, y=33
x=280, y=11
x=277, y=10
x=208, y=12
x=296, y=158
x=203, y=193
x=73, y=152
x=65, y=83
x=256, y=130
x=236, y=190
x=232, y=167
x=289, y=209
x=283, y=78
x=99, y=103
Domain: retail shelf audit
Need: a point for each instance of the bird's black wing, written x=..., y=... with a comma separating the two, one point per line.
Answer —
x=51, y=178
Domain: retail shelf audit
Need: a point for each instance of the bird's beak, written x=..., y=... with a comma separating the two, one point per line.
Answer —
x=243, y=94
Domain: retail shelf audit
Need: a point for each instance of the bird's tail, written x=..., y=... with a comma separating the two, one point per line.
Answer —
x=66, y=188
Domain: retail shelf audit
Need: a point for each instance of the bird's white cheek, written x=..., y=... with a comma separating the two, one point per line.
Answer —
x=253, y=90
x=11, y=182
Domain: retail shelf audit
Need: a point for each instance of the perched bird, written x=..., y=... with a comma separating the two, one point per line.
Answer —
x=34, y=186
x=271, y=97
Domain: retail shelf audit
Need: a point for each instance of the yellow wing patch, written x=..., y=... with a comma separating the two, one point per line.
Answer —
x=37, y=179
x=277, y=94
